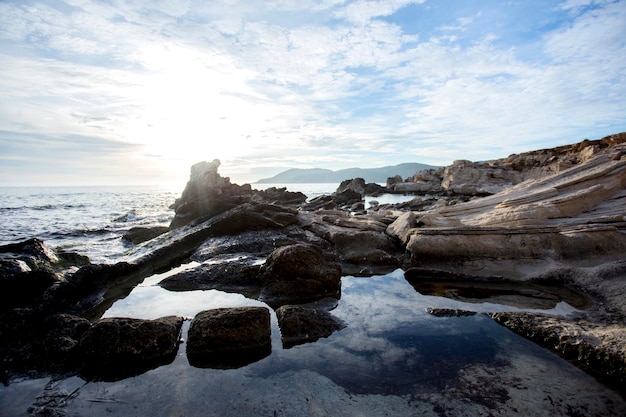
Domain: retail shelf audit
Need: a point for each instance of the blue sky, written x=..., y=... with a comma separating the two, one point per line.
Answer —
x=115, y=92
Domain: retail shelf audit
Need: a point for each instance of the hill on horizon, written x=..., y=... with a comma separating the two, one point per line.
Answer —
x=321, y=175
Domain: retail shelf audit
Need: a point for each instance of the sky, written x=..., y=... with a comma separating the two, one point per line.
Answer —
x=115, y=92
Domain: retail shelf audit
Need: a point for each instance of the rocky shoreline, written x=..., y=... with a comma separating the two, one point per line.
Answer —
x=553, y=216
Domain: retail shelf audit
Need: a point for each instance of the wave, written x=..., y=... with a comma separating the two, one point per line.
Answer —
x=44, y=207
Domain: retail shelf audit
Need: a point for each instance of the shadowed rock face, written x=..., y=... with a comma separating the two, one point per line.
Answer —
x=207, y=194
x=229, y=337
x=298, y=274
x=116, y=348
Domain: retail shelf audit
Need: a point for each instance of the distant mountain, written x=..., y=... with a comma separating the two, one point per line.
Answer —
x=317, y=175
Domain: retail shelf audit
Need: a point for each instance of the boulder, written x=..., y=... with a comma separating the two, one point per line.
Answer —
x=346, y=197
x=280, y=196
x=207, y=194
x=24, y=288
x=300, y=324
x=229, y=337
x=34, y=252
x=57, y=348
x=115, y=348
x=141, y=234
x=239, y=276
x=298, y=273
x=356, y=184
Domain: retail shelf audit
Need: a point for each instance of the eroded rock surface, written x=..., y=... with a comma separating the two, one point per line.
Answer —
x=598, y=348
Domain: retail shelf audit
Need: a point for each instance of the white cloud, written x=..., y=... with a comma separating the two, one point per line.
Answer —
x=308, y=83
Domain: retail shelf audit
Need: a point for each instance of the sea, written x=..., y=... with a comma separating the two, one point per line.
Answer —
x=92, y=220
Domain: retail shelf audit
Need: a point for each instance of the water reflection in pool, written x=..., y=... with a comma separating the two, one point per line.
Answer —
x=393, y=358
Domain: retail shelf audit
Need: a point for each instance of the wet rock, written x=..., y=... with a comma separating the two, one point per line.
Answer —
x=598, y=348
x=449, y=312
x=34, y=252
x=255, y=243
x=141, y=234
x=24, y=288
x=300, y=324
x=297, y=274
x=56, y=349
x=89, y=285
x=239, y=276
x=229, y=337
x=115, y=348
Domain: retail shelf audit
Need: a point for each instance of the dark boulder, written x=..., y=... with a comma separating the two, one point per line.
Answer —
x=300, y=324
x=34, y=252
x=57, y=347
x=347, y=197
x=207, y=194
x=324, y=202
x=115, y=348
x=226, y=338
x=298, y=274
x=280, y=196
x=24, y=288
x=138, y=235
x=239, y=276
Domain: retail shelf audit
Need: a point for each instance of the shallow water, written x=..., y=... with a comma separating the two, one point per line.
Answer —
x=393, y=358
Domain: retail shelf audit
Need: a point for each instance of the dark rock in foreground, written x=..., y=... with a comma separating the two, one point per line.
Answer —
x=141, y=234
x=226, y=338
x=300, y=325
x=298, y=274
x=115, y=348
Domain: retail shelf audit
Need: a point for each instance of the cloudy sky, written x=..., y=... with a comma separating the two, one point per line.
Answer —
x=115, y=92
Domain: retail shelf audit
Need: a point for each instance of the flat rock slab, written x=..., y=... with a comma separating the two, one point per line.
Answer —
x=226, y=338
x=300, y=325
x=598, y=348
x=115, y=348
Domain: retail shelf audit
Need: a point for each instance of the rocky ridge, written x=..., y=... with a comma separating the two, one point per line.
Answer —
x=553, y=215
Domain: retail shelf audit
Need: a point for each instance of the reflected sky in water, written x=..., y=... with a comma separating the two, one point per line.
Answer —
x=393, y=358
x=391, y=345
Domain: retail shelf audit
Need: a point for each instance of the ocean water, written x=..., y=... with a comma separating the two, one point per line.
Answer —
x=92, y=220
x=87, y=220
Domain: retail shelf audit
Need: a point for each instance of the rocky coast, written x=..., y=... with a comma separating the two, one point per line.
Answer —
x=553, y=217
